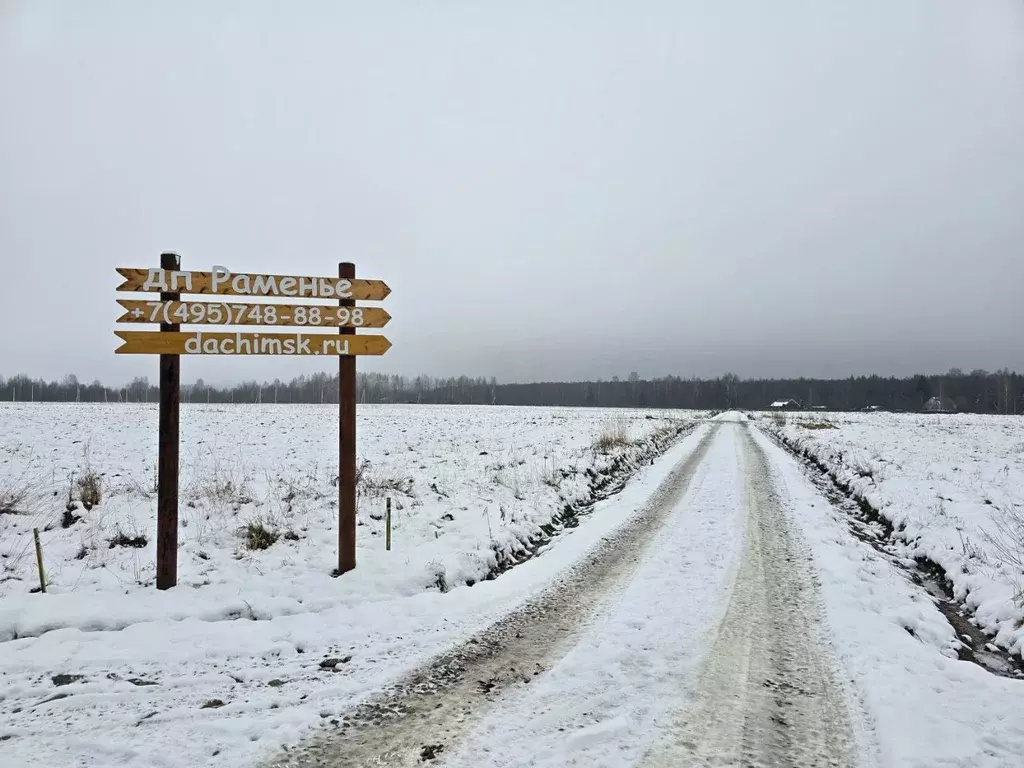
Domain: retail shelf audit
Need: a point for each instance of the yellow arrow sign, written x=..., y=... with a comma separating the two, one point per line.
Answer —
x=222, y=282
x=224, y=313
x=220, y=343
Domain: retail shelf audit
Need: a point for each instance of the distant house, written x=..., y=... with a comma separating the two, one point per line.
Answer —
x=785, y=405
x=819, y=407
x=940, y=405
x=871, y=408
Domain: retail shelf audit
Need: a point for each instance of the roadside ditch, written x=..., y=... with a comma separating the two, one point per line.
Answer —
x=870, y=526
x=601, y=485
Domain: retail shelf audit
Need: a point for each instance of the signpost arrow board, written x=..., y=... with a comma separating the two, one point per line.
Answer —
x=170, y=342
x=224, y=313
x=221, y=343
x=223, y=282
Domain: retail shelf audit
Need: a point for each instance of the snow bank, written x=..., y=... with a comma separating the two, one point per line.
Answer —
x=947, y=484
x=918, y=705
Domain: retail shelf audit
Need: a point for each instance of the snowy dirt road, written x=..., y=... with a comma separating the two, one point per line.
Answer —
x=691, y=636
x=426, y=714
x=768, y=694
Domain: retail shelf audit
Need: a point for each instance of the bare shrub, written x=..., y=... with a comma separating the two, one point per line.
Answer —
x=376, y=482
x=1008, y=545
x=549, y=475
x=90, y=489
x=292, y=488
x=227, y=491
x=862, y=467
x=971, y=550
x=14, y=497
x=69, y=518
x=222, y=484
x=122, y=539
x=259, y=535
x=511, y=477
x=779, y=419
x=668, y=430
x=21, y=493
x=361, y=469
x=614, y=434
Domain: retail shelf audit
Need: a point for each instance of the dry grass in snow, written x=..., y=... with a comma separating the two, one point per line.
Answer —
x=473, y=489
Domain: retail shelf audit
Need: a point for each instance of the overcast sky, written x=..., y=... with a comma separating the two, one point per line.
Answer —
x=551, y=189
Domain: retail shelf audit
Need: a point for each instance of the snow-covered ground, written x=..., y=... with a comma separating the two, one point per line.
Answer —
x=914, y=704
x=605, y=702
x=910, y=702
x=230, y=672
x=246, y=627
x=952, y=487
x=643, y=682
x=468, y=485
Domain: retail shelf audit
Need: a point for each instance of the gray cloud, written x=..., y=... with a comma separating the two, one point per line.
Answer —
x=552, y=190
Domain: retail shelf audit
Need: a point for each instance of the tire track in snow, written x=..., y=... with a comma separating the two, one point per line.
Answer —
x=608, y=697
x=768, y=693
x=425, y=714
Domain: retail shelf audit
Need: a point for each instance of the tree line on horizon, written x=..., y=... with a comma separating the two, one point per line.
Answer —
x=977, y=391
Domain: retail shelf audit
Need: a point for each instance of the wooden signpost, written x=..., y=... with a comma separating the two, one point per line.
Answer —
x=170, y=342
x=168, y=464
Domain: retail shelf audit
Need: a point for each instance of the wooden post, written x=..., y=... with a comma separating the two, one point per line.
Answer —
x=167, y=466
x=346, y=442
x=39, y=560
x=387, y=527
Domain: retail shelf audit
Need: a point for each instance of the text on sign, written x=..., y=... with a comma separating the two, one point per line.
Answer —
x=223, y=313
x=220, y=280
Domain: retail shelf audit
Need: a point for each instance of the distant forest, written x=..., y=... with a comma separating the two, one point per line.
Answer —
x=975, y=392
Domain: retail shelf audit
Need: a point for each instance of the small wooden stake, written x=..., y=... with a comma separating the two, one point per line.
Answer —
x=387, y=527
x=39, y=560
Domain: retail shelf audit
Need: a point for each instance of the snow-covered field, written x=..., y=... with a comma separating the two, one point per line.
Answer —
x=472, y=487
x=258, y=647
x=952, y=487
x=468, y=485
